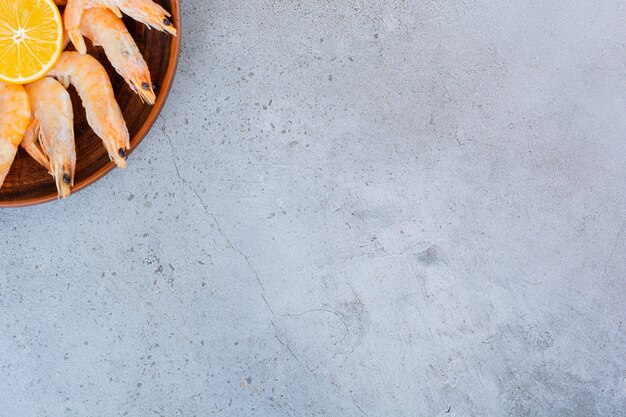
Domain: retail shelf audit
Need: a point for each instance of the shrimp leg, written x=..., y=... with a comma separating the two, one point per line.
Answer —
x=14, y=120
x=105, y=29
x=104, y=115
x=52, y=110
x=30, y=143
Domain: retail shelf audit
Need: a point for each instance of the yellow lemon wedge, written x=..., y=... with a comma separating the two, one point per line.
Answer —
x=31, y=39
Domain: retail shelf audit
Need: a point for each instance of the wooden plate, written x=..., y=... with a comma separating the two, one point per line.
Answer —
x=28, y=183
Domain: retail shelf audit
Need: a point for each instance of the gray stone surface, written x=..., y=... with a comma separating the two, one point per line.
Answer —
x=347, y=208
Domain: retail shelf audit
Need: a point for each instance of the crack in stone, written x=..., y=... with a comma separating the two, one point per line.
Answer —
x=258, y=279
x=301, y=362
x=219, y=227
x=359, y=407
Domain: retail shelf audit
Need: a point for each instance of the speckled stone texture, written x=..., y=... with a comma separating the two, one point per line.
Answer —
x=347, y=208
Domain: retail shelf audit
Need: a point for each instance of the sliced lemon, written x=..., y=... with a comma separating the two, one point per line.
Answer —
x=31, y=39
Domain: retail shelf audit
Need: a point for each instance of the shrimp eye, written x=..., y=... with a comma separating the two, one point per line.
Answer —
x=122, y=152
x=145, y=86
x=167, y=22
x=66, y=178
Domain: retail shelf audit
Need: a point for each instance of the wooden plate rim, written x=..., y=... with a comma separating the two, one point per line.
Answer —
x=139, y=136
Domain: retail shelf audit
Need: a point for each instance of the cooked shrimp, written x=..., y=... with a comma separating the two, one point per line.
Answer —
x=53, y=123
x=104, y=115
x=14, y=119
x=147, y=12
x=105, y=29
x=144, y=11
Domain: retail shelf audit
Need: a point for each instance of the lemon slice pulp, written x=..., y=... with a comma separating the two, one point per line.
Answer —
x=31, y=39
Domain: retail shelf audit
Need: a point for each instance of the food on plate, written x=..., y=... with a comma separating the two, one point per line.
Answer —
x=144, y=11
x=35, y=106
x=14, y=119
x=31, y=37
x=53, y=126
x=104, y=115
x=105, y=29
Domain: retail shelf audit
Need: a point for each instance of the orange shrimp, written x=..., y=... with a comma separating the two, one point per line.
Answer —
x=104, y=115
x=14, y=119
x=144, y=11
x=103, y=28
x=53, y=125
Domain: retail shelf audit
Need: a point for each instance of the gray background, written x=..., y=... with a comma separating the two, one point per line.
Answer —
x=346, y=208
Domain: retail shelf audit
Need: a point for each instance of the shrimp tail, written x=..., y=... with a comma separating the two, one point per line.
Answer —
x=78, y=41
x=71, y=20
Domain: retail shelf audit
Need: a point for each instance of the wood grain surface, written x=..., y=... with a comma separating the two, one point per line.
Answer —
x=28, y=183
